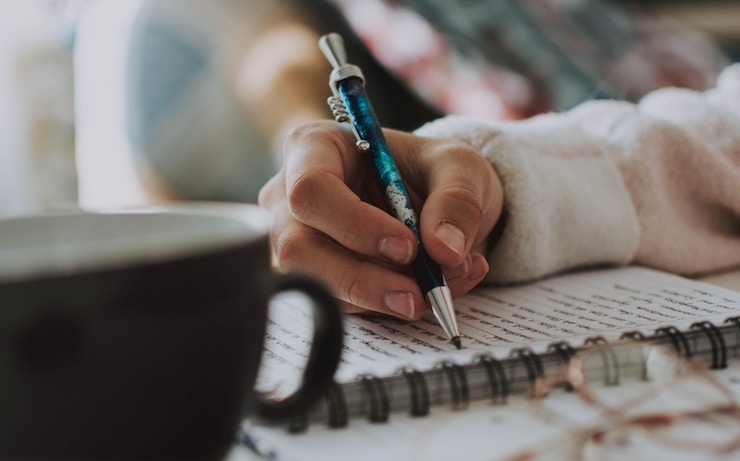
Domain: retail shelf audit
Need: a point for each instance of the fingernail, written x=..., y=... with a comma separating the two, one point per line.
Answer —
x=479, y=268
x=396, y=249
x=452, y=236
x=400, y=302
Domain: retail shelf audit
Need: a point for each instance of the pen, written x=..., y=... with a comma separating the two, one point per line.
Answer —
x=350, y=103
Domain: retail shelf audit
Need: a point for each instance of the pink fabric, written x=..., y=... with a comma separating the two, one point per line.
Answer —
x=680, y=158
x=609, y=182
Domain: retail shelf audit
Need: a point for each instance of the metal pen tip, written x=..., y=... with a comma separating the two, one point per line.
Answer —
x=440, y=298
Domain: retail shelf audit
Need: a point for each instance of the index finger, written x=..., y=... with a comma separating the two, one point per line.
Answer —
x=329, y=187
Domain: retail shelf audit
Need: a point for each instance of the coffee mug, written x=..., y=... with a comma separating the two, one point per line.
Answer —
x=138, y=333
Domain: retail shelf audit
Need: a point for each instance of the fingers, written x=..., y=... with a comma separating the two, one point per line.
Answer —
x=322, y=227
x=468, y=275
x=330, y=219
x=359, y=283
x=464, y=198
x=325, y=178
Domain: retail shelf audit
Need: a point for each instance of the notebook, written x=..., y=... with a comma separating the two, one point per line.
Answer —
x=394, y=374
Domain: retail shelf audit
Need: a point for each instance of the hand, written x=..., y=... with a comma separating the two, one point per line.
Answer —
x=330, y=218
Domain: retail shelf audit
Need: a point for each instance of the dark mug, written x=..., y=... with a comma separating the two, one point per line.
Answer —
x=138, y=333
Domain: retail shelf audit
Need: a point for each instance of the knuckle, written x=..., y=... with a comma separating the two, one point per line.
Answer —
x=350, y=236
x=301, y=134
x=303, y=203
x=269, y=192
x=352, y=288
x=465, y=201
x=469, y=160
x=462, y=158
x=287, y=248
x=348, y=308
x=301, y=195
x=456, y=149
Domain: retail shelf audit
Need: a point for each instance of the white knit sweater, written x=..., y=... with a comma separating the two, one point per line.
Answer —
x=655, y=183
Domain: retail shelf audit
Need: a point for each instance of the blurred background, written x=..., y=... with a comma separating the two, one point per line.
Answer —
x=123, y=102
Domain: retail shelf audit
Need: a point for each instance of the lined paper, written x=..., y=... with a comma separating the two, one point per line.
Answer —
x=569, y=307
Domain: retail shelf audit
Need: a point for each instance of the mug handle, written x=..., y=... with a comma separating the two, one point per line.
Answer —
x=325, y=351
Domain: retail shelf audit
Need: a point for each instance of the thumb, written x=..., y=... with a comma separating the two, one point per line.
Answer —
x=463, y=203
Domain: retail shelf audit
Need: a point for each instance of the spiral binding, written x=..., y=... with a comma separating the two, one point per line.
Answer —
x=496, y=377
x=338, y=411
x=486, y=377
x=459, y=390
x=377, y=399
x=565, y=351
x=595, y=341
x=531, y=361
x=678, y=339
x=719, y=349
x=298, y=423
x=633, y=335
x=418, y=390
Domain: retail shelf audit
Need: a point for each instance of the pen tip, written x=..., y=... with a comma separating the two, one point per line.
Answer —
x=456, y=341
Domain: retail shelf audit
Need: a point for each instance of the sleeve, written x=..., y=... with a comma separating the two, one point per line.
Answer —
x=655, y=183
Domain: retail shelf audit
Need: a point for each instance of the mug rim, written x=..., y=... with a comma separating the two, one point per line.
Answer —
x=216, y=226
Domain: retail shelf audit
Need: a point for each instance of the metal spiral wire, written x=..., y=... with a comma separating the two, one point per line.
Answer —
x=338, y=109
x=342, y=115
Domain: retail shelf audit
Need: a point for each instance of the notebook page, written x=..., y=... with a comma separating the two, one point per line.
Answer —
x=569, y=307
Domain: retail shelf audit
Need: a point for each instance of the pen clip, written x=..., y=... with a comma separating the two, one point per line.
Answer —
x=332, y=46
x=342, y=115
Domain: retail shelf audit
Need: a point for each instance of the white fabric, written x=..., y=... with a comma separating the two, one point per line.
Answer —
x=657, y=183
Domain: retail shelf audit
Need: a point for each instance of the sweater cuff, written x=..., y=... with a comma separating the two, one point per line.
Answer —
x=566, y=203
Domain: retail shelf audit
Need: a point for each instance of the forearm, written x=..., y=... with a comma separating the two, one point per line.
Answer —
x=560, y=210
x=610, y=183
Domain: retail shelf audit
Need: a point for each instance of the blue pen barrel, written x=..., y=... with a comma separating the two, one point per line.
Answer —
x=353, y=94
x=367, y=126
x=423, y=264
x=348, y=82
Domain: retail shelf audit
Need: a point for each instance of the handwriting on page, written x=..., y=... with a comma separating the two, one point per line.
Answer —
x=587, y=304
x=570, y=307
